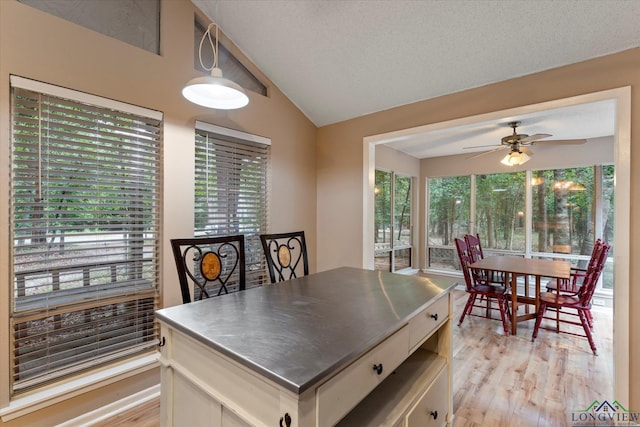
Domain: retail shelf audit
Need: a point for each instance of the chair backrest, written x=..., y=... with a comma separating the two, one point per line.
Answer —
x=474, y=246
x=596, y=265
x=209, y=265
x=597, y=247
x=464, y=256
x=284, y=252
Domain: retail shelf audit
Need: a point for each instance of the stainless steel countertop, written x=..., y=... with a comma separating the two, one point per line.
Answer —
x=300, y=332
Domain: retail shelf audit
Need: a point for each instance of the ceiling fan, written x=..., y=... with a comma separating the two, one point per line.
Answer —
x=517, y=143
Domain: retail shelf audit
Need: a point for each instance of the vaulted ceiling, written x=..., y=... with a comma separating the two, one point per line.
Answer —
x=338, y=60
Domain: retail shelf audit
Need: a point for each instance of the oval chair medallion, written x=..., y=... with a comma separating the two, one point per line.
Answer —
x=210, y=266
x=284, y=256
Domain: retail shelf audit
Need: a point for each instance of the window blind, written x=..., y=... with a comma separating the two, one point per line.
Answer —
x=231, y=186
x=85, y=199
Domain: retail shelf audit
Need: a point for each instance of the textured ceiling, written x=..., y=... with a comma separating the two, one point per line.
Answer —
x=337, y=60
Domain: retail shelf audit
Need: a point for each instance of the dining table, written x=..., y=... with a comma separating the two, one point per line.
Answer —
x=516, y=266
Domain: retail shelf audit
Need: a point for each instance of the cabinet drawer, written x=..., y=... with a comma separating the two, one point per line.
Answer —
x=422, y=325
x=432, y=408
x=336, y=397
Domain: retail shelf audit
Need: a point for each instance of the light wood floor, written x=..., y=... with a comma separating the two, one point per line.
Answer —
x=503, y=380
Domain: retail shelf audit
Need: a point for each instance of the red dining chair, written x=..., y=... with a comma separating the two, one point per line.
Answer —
x=580, y=302
x=572, y=285
x=475, y=250
x=577, y=274
x=478, y=286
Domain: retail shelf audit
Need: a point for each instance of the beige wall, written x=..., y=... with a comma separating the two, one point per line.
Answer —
x=341, y=154
x=42, y=47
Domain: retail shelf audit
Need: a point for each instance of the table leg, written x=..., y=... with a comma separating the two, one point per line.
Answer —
x=514, y=304
x=526, y=292
x=537, y=295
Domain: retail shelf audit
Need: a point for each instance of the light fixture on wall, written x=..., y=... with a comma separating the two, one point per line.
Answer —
x=515, y=157
x=214, y=91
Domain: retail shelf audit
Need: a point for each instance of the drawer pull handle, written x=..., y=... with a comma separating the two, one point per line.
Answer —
x=434, y=316
x=286, y=419
x=434, y=414
x=378, y=368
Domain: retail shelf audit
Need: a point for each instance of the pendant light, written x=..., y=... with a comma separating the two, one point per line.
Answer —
x=214, y=91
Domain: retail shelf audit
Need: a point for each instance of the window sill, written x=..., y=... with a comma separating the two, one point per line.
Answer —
x=46, y=396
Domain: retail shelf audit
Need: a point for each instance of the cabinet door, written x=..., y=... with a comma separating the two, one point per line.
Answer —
x=431, y=409
x=192, y=406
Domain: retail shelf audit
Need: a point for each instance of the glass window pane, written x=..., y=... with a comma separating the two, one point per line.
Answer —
x=402, y=211
x=563, y=219
x=607, y=205
x=449, y=200
x=402, y=259
x=382, y=260
x=136, y=22
x=500, y=210
x=383, y=210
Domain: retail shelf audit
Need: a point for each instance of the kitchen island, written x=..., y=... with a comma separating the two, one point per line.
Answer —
x=348, y=346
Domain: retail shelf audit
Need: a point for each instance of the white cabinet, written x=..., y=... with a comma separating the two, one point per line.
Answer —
x=419, y=387
x=403, y=378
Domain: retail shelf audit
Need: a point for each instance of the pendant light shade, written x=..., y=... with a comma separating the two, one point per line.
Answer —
x=514, y=158
x=214, y=91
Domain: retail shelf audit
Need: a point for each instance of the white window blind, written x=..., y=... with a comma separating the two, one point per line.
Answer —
x=85, y=198
x=231, y=186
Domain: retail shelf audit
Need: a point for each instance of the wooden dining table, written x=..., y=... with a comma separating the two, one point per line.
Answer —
x=515, y=266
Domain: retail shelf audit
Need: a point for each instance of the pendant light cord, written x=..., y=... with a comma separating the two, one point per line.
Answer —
x=207, y=35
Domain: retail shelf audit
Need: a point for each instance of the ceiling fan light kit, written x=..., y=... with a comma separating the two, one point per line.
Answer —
x=517, y=143
x=514, y=158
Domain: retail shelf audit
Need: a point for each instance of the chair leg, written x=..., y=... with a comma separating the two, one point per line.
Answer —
x=488, y=309
x=468, y=307
x=502, y=304
x=543, y=308
x=587, y=330
x=589, y=317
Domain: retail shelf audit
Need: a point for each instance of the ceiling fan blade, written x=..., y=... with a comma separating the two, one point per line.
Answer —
x=487, y=152
x=482, y=146
x=561, y=142
x=531, y=138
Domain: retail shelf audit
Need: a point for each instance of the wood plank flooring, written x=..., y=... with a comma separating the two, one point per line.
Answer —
x=503, y=380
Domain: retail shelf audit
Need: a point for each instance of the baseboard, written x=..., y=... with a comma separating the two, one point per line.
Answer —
x=113, y=409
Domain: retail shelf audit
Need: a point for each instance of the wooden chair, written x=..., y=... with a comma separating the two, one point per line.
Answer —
x=284, y=252
x=478, y=286
x=580, y=302
x=572, y=285
x=209, y=265
x=476, y=252
x=577, y=274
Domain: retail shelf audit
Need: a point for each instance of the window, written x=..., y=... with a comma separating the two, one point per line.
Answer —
x=569, y=209
x=232, y=69
x=500, y=211
x=85, y=230
x=136, y=22
x=449, y=214
x=231, y=170
x=393, y=215
x=563, y=217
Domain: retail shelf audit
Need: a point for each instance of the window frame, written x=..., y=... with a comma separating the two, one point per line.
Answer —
x=394, y=248
x=125, y=112
x=527, y=252
x=255, y=262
